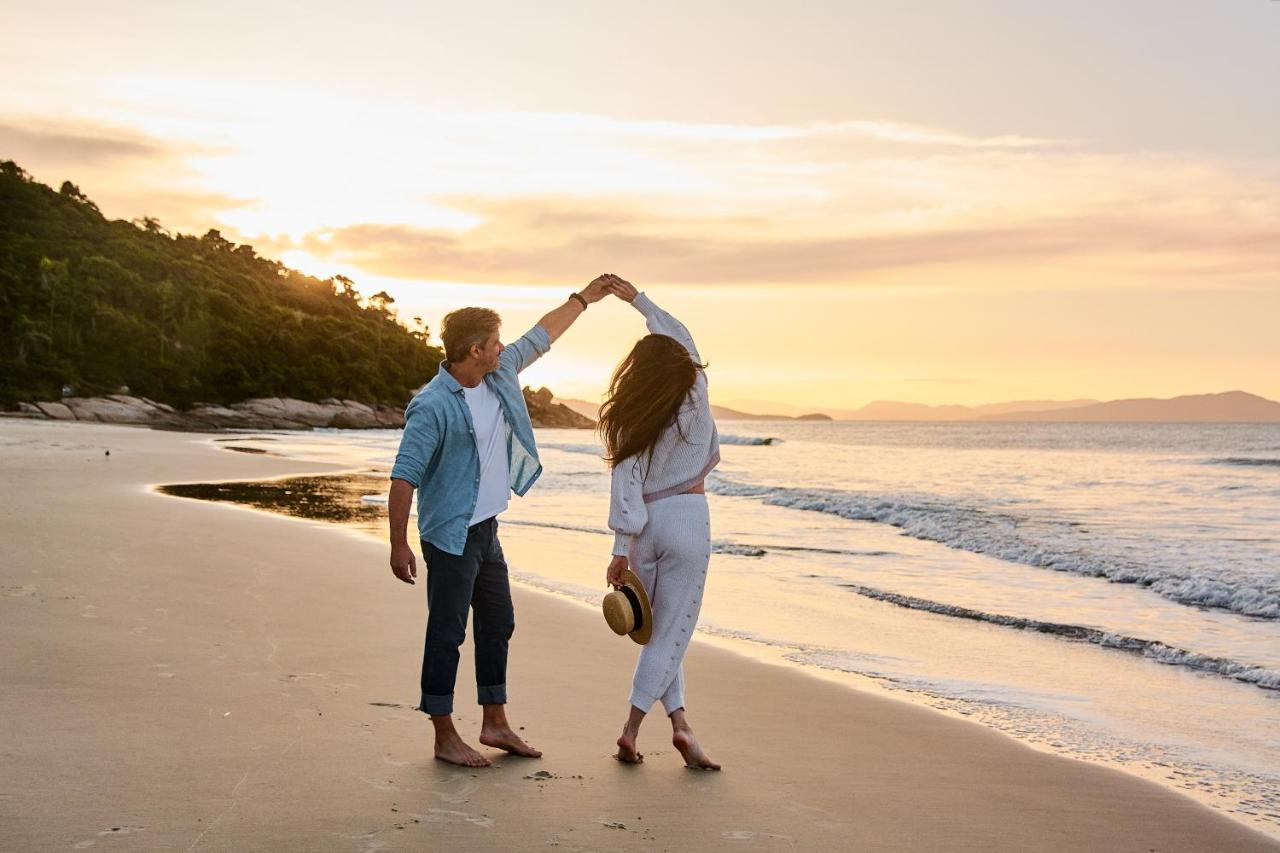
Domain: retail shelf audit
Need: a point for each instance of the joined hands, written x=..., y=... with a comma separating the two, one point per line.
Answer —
x=606, y=284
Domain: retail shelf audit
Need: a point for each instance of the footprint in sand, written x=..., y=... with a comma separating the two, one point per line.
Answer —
x=370, y=839
x=113, y=831
x=748, y=835
x=461, y=789
x=443, y=815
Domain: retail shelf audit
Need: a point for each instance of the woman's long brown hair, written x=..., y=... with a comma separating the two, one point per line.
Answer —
x=645, y=396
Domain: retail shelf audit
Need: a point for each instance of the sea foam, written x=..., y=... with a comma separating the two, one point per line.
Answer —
x=1042, y=543
x=1153, y=649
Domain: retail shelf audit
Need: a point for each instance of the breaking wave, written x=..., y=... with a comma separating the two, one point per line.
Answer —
x=1153, y=649
x=748, y=440
x=721, y=547
x=1245, y=461
x=1033, y=542
x=588, y=449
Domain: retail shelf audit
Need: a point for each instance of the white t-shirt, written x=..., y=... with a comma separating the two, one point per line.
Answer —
x=491, y=444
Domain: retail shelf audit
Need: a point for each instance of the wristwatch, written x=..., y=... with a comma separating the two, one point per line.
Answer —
x=578, y=296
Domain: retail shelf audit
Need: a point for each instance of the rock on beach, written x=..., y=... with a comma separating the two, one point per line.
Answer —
x=263, y=413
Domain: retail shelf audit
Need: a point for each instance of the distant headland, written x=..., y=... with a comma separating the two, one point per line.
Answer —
x=188, y=322
x=123, y=322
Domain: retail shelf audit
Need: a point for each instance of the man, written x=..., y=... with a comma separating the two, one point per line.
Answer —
x=467, y=444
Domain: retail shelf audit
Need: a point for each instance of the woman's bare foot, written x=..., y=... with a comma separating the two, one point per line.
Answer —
x=504, y=738
x=694, y=757
x=627, y=753
x=452, y=749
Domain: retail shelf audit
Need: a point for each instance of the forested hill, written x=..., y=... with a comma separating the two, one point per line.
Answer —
x=97, y=304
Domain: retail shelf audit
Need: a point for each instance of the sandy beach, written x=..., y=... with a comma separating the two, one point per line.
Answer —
x=182, y=675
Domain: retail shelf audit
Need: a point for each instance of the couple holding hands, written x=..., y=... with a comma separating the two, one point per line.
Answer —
x=468, y=444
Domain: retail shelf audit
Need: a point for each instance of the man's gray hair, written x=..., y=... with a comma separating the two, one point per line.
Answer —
x=467, y=327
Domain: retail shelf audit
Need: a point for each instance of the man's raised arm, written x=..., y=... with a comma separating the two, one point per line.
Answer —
x=556, y=321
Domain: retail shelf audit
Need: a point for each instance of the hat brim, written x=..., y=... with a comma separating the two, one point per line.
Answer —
x=642, y=634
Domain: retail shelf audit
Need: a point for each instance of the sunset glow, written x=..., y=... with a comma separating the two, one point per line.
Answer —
x=828, y=247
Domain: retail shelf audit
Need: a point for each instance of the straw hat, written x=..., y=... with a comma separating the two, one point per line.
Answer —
x=627, y=609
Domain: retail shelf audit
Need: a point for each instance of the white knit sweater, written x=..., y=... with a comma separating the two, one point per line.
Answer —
x=677, y=463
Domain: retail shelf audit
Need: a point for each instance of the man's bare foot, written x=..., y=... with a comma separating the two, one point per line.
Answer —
x=627, y=753
x=452, y=749
x=505, y=739
x=694, y=757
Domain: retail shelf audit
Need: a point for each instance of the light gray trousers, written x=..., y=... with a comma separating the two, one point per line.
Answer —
x=670, y=556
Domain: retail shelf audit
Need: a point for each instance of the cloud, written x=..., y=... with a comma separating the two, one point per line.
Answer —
x=88, y=144
x=127, y=173
x=81, y=145
x=885, y=131
x=943, y=380
x=415, y=192
x=523, y=247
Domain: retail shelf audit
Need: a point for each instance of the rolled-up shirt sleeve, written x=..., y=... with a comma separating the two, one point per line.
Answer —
x=628, y=514
x=417, y=446
x=534, y=344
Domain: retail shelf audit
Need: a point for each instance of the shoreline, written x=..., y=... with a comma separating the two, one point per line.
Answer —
x=776, y=653
x=224, y=681
x=1184, y=777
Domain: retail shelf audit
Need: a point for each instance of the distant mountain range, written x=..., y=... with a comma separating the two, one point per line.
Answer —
x=720, y=413
x=1226, y=407
x=884, y=410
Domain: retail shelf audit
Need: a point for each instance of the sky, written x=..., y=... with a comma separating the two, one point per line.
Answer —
x=931, y=202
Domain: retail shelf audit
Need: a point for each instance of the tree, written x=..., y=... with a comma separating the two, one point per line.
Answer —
x=151, y=225
x=179, y=318
x=348, y=290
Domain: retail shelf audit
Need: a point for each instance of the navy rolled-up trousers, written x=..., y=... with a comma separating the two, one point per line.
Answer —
x=476, y=581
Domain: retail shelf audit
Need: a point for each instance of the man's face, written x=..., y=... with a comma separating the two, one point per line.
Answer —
x=489, y=353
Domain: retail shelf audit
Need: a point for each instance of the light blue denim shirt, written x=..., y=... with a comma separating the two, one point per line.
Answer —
x=438, y=453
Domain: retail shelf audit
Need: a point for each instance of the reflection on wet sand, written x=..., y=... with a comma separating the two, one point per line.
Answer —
x=332, y=498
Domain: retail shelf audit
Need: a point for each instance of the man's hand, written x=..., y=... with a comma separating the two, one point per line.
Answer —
x=620, y=287
x=403, y=564
x=398, y=500
x=614, y=573
x=597, y=289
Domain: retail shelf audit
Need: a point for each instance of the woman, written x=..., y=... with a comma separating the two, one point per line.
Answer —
x=661, y=443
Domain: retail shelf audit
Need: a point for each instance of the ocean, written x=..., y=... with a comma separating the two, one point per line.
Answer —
x=1109, y=592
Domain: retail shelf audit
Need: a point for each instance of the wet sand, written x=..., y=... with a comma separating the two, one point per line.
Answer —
x=187, y=675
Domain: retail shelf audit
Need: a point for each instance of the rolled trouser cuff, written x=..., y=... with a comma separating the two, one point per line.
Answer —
x=641, y=700
x=491, y=694
x=437, y=706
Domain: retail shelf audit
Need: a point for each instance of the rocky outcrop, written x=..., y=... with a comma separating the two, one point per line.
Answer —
x=545, y=412
x=57, y=411
x=259, y=413
x=264, y=413
x=116, y=409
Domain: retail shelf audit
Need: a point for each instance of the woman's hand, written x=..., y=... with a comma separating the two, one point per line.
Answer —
x=620, y=287
x=613, y=574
